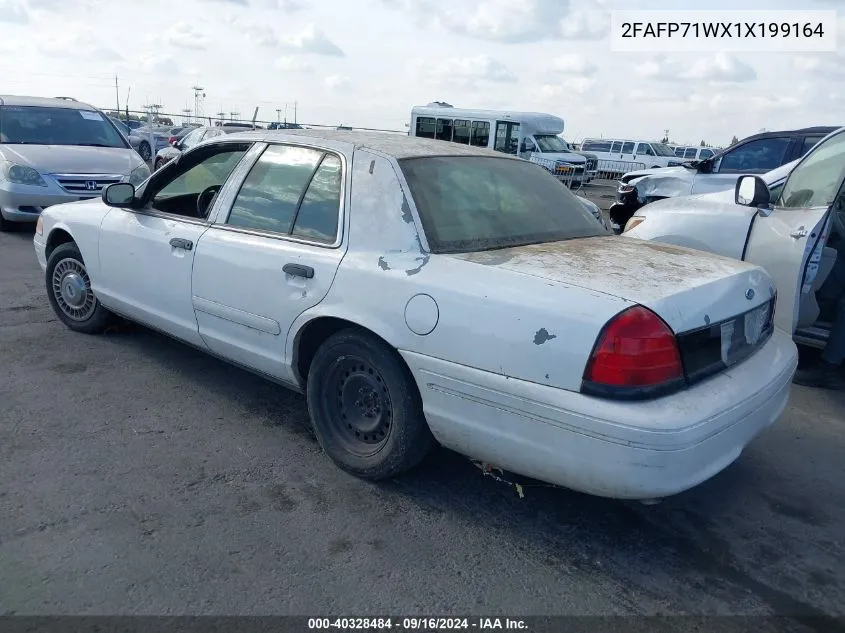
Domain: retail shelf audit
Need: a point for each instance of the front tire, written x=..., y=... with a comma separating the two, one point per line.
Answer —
x=70, y=294
x=365, y=407
x=145, y=151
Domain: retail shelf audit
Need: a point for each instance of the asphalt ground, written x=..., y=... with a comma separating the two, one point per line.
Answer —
x=139, y=476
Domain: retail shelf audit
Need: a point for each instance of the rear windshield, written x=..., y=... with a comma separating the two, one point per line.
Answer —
x=35, y=125
x=476, y=203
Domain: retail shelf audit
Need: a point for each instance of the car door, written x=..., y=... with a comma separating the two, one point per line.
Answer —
x=147, y=253
x=790, y=240
x=271, y=254
x=754, y=157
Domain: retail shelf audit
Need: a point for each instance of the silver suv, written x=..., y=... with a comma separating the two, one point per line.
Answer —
x=58, y=150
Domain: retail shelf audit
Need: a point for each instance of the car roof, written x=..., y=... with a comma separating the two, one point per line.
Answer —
x=819, y=129
x=44, y=102
x=396, y=145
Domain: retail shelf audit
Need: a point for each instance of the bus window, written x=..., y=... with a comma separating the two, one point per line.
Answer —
x=425, y=127
x=461, y=133
x=480, y=134
x=444, y=129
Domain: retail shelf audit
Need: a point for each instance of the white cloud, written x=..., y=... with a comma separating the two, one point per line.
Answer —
x=337, y=82
x=260, y=34
x=573, y=64
x=13, y=11
x=293, y=64
x=158, y=64
x=311, y=40
x=464, y=71
x=291, y=6
x=721, y=68
x=823, y=66
x=513, y=22
x=183, y=35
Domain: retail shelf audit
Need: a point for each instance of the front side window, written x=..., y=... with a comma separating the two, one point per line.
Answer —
x=38, y=125
x=758, y=156
x=705, y=153
x=816, y=181
x=475, y=203
x=195, y=176
x=644, y=149
x=271, y=192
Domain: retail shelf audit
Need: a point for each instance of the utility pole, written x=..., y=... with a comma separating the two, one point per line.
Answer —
x=233, y=115
x=278, y=115
x=128, y=92
x=116, y=97
x=198, y=90
x=294, y=112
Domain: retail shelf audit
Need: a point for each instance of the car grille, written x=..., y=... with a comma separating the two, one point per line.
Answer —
x=713, y=348
x=86, y=184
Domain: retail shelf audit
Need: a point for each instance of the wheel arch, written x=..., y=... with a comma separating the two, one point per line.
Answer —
x=58, y=235
x=310, y=331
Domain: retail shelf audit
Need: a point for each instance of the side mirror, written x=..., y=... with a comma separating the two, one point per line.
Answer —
x=751, y=191
x=119, y=194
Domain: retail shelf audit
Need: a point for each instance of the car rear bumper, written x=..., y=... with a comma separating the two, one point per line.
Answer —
x=624, y=450
x=24, y=204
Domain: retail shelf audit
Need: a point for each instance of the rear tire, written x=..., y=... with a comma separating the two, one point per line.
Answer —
x=365, y=408
x=70, y=294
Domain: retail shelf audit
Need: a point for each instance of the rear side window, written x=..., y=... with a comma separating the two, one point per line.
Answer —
x=426, y=126
x=628, y=148
x=271, y=192
x=690, y=152
x=318, y=214
x=473, y=203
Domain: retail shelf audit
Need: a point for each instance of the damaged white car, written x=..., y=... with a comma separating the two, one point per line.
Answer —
x=418, y=292
x=756, y=154
x=794, y=222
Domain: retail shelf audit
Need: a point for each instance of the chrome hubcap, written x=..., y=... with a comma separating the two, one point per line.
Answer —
x=72, y=290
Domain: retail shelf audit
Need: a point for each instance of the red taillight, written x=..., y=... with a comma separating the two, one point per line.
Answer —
x=636, y=350
x=172, y=140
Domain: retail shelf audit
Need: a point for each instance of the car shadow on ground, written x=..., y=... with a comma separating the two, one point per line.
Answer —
x=695, y=536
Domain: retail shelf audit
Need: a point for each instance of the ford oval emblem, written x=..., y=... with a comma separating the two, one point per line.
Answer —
x=749, y=294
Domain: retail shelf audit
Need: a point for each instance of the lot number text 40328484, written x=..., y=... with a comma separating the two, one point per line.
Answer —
x=771, y=31
x=417, y=624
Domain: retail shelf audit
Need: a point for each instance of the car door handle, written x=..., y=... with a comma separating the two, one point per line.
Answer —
x=298, y=270
x=799, y=232
x=179, y=242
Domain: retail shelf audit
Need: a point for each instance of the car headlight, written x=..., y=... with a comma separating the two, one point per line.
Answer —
x=138, y=175
x=634, y=222
x=21, y=174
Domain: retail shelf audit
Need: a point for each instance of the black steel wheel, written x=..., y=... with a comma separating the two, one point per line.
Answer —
x=70, y=294
x=365, y=407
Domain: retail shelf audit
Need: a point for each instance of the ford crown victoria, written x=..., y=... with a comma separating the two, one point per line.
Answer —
x=419, y=292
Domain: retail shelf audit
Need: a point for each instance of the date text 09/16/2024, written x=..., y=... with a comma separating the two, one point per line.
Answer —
x=415, y=624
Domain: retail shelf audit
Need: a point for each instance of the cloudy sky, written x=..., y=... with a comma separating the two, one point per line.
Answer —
x=366, y=62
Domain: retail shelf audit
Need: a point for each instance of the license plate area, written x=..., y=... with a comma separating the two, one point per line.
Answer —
x=713, y=348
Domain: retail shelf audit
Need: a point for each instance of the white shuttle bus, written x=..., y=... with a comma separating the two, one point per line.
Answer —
x=533, y=136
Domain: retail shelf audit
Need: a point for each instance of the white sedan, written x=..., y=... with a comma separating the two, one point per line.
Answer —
x=800, y=208
x=418, y=292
